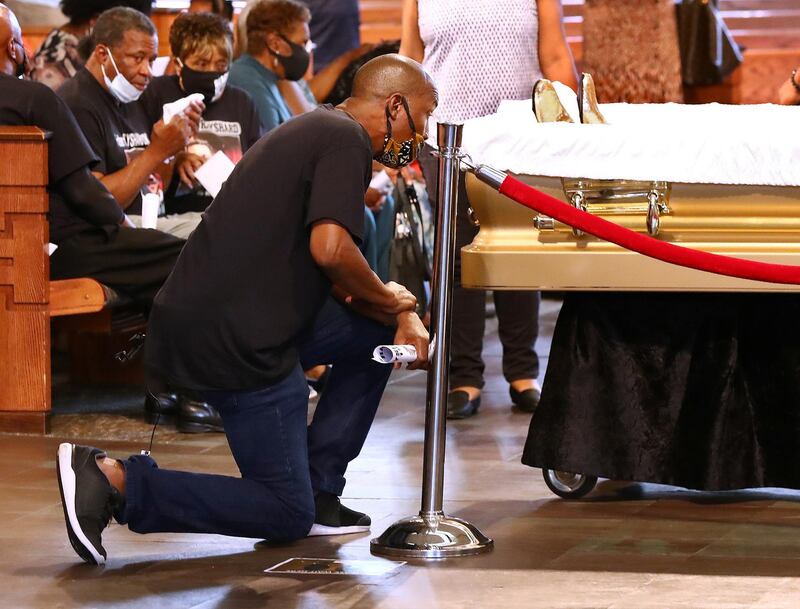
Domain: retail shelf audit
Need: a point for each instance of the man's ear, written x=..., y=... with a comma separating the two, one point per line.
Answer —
x=100, y=53
x=394, y=102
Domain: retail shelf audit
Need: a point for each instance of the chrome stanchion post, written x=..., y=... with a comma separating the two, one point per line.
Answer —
x=432, y=534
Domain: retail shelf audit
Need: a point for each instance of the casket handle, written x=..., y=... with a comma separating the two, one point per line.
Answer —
x=653, y=213
x=578, y=202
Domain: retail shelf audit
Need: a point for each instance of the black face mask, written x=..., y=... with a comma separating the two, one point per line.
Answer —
x=296, y=64
x=208, y=84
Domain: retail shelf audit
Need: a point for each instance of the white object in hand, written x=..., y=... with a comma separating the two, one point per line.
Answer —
x=150, y=205
x=172, y=109
x=381, y=182
x=213, y=173
x=390, y=354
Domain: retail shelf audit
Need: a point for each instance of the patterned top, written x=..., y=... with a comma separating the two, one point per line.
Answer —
x=479, y=52
x=57, y=60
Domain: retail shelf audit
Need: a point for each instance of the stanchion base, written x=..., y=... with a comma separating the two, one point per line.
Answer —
x=431, y=537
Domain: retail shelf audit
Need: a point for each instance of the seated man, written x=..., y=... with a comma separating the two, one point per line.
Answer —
x=202, y=47
x=94, y=237
x=86, y=223
x=58, y=58
x=103, y=97
x=248, y=307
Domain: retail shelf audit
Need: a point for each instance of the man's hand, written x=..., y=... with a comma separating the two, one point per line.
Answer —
x=402, y=301
x=194, y=113
x=374, y=199
x=168, y=140
x=186, y=164
x=411, y=331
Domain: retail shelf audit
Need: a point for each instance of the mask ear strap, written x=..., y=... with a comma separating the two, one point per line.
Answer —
x=408, y=114
x=388, y=122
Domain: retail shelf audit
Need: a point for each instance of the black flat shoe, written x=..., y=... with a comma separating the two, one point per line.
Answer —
x=161, y=406
x=526, y=400
x=459, y=406
x=195, y=416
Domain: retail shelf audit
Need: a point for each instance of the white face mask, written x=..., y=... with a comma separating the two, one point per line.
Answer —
x=120, y=87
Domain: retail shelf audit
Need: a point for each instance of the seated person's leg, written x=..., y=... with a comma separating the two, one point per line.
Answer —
x=384, y=233
x=177, y=225
x=133, y=262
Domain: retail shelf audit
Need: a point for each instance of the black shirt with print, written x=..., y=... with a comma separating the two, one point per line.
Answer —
x=246, y=285
x=116, y=132
x=24, y=102
x=230, y=125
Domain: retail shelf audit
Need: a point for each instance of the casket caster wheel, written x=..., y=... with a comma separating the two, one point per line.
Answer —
x=568, y=485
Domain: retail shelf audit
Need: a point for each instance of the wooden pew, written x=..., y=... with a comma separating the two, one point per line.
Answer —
x=24, y=285
x=28, y=299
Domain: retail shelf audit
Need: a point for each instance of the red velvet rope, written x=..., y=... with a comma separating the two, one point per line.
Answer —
x=644, y=244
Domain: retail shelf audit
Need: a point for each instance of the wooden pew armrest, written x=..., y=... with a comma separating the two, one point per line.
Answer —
x=77, y=296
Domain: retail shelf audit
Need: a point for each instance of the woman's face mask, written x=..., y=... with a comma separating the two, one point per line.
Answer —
x=120, y=87
x=211, y=85
x=296, y=64
x=399, y=154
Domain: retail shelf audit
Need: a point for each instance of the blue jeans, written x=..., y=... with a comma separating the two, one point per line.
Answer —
x=283, y=461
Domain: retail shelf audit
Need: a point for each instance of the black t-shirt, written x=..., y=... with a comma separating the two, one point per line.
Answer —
x=116, y=132
x=23, y=102
x=246, y=284
x=230, y=124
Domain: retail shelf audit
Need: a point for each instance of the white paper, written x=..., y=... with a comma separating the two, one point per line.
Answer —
x=213, y=173
x=381, y=181
x=178, y=107
x=150, y=206
x=390, y=354
x=159, y=66
x=51, y=248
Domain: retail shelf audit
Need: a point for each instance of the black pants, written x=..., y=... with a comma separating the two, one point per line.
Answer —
x=517, y=311
x=133, y=261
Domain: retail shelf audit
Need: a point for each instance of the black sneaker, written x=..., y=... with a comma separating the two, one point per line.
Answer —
x=332, y=518
x=88, y=499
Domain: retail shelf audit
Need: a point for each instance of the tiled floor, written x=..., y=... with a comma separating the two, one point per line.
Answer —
x=624, y=547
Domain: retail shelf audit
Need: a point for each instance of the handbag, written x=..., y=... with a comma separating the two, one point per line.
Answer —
x=708, y=51
x=409, y=263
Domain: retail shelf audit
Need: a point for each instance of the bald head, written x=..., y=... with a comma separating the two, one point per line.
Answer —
x=390, y=74
x=12, y=53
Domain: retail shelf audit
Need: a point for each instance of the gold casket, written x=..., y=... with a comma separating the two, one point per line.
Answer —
x=516, y=248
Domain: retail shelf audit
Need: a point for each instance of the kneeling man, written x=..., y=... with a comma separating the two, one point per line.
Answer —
x=248, y=307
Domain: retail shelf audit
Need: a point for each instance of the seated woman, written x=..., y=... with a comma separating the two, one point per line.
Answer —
x=278, y=48
x=58, y=59
x=201, y=47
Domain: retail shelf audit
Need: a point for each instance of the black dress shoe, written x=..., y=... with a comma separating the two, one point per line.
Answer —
x=195, y=416
x=160, y=406
x=526, y=400
x=459, y=406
